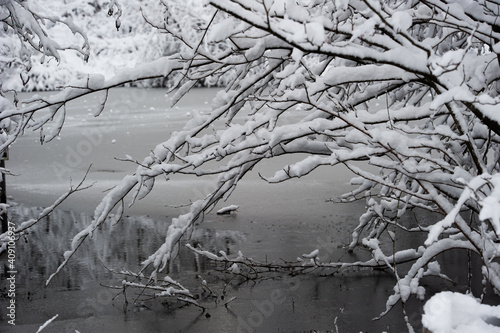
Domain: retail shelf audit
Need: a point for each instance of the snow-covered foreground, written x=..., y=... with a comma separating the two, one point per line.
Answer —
x=279, y=221
x=449, y=312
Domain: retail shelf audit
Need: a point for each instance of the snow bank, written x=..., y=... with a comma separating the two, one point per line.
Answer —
x=449, y=312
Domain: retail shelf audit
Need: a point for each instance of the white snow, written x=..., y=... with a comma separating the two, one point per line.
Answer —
x=315, y=33
x=221, y=30
x=449, y=312
x=227, y=210
x=47, y=323
x=452, y=216
x=491, y=204
x=401, y=21
x=235, y=269
x=311, y=255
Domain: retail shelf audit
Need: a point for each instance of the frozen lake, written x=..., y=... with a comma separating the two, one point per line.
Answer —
x=279, y=221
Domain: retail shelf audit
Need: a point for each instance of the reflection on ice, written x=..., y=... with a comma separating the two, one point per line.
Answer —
x=82, y=283
x=216, y=240
x=40, y=251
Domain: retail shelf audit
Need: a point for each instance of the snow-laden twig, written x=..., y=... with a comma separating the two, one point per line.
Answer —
x=181, y=294
x=301, y=266
x=47, y=323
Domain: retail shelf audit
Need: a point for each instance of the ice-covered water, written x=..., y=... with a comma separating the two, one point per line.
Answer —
x=273, y=222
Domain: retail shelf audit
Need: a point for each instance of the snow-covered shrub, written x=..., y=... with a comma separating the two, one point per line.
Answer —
x=25, y=28
x=118, y=39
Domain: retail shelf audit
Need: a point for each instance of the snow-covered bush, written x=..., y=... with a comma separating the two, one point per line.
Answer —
x=432, y=65
x=117, y=39
x=25, y=29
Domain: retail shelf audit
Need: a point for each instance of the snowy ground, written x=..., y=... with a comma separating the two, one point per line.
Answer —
x=272, y=222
